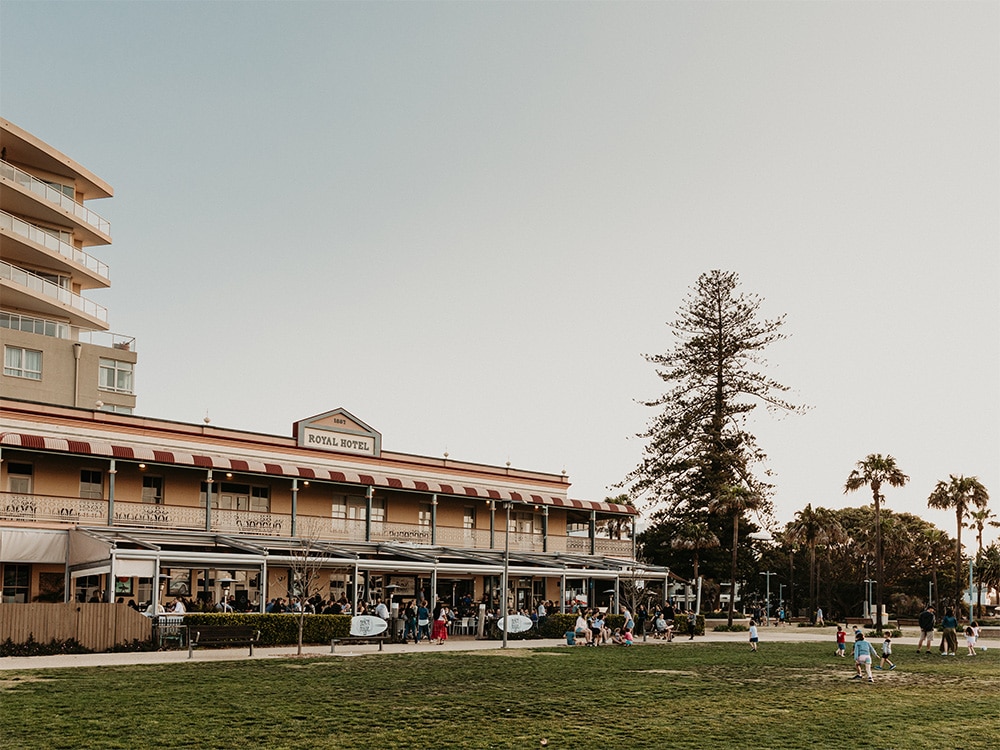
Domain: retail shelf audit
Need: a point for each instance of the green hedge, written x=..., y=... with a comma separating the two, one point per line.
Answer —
x=279, y=630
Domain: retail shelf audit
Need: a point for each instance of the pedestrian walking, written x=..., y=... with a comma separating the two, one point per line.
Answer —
x=949, y=638
x=926, y=622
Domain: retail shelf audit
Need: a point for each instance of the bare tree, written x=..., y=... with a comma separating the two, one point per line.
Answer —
x=306, y=560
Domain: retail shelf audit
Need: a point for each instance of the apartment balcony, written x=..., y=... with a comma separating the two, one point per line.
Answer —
x=71, y=511
x=25, y=291
x=25, y=195
x=23, y=243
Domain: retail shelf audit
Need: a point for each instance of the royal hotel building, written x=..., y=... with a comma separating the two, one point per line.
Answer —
x=98, y=500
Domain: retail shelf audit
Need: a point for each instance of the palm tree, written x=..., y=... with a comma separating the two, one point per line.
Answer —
x=990, y=567
x=979, y=519
x=935, y=546
x=814, y=528
x=694, y=535
x=960, y=493
x=735, y=500
x=874, y=471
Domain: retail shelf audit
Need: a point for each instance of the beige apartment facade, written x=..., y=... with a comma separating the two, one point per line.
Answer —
x=57, y=343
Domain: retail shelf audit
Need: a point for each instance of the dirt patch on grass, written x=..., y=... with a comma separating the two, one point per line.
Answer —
x=517, y=653
x=13, y=682
x=675, y=672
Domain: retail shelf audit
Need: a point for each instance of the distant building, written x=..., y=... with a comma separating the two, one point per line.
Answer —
x=57, y=344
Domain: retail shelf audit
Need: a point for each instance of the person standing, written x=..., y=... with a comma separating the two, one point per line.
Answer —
x=409, y=622
x=439, y=630
x=862, y=656
x=423, y=622
x=753, y=635
x=949, y=639
x=926, y=622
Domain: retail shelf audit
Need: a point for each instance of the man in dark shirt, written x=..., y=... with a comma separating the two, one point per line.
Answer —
x=926, y=621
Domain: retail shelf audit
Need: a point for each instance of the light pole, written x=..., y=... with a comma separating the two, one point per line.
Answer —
x=767, y=603
x=506, y=570
x=868, y=600
x=781, y=594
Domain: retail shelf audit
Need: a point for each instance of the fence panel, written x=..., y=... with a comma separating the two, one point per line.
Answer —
x=98, y=627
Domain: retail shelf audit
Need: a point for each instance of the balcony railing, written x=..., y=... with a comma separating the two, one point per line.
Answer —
x=56, y=245
x=74, y=511
x=49, y=193
x=54, y=291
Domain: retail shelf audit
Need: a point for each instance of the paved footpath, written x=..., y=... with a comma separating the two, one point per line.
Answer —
x=455, y=643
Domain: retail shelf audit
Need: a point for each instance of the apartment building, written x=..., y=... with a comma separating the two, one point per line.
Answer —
x=57, y=344
x=98, y=501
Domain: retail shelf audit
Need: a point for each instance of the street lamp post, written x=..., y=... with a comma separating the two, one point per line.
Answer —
x=506, y=571
x=868, y=599
x=767, y=603
x=781, y=594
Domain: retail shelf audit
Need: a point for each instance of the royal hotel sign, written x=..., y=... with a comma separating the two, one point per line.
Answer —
x=338, y=431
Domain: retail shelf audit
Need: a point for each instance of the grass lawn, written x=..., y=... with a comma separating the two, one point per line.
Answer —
x=703, y=695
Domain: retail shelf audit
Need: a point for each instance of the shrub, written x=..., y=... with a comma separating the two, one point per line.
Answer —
x=734, y=628
x=279, y=629
x=31, y=647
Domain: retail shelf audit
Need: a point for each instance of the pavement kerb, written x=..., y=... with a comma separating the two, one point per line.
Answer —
x=460, y=643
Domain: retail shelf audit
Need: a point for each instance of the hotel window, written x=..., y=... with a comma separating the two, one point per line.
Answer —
x=260, y=499
x=22, y=363
x=152, y=490
x=354, y=507
x=424, y=515
x=91, y=484
x=522, y=522
x=60, y=234
x=338, y=508
x=115, y=376
x=68, y=190
x=19, y=478
x=16, y=580
x=469, y=518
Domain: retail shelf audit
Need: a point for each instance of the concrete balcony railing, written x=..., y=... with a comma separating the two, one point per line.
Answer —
x=86, y=512
x=52, y=195
x=55, y=292
x=30, y=232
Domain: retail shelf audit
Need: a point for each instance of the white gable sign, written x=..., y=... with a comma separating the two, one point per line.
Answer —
x=338, y=432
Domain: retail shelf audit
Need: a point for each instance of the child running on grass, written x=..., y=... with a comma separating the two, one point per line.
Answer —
x=886, y=653
x=841, y=641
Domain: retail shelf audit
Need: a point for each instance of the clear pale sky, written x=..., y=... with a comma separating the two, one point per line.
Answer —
x=465, y=223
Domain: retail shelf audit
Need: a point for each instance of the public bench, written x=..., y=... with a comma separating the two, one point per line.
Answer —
x=222, y=635
x=380, y=639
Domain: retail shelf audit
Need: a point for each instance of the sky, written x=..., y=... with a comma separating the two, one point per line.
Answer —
x=467, y=223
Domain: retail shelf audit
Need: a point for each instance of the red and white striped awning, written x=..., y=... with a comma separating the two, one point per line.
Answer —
x=313, y=472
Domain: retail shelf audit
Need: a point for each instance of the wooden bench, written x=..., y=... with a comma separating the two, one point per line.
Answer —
x=380, y=639
x=222, y=635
